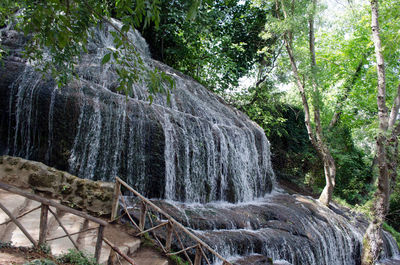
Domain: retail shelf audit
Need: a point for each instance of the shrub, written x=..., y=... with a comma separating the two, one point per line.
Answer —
x=77, y=258
x=40, y=262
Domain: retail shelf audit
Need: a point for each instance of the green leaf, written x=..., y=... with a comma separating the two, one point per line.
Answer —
x=106, y=58
x=125, y=28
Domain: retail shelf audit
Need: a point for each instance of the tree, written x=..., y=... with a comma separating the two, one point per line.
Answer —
x=387, y=150
x=216, y=47
x=62, y=30
x=315, y=135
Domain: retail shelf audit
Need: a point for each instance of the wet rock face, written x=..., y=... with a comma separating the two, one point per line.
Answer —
x=193, y=149
x=94, y=197
x=289, y=229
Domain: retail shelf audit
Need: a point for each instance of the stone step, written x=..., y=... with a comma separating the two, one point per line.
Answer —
x=12, y=202
x=11, y=258
x=149, y=256
x=72, y=224
x=30, y=222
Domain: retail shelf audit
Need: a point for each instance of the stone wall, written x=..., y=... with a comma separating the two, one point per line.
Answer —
x=94, y=197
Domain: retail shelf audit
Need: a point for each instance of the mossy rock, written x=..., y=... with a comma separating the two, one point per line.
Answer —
x=80, y=191
x=66, y=189
x=29, y=166
x=90, y=185
x=69, y=179
x=79, y=183
x=102, y=196
x=12, y=160
x=93, y=196
x=36, y=180
x=8, y=169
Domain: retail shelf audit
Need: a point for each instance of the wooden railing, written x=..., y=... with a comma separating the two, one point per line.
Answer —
x=45, y=208
x=158, y=219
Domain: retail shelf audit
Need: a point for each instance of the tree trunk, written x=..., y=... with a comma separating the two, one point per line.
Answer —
x=316, y=138
x=330, y=174
x=329, y=162
x=387, y=145
x=373, y=240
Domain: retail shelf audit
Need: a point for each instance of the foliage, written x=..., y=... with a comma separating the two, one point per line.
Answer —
x=354, y=179
x=216, y=47
x=393, y=232
x=40, y=262
x=58, y=32
x=5, y=244
x=178, y=260
x=347, y=77
x=45, y=248
x=292, y=154
x=393, y=217
x=76, y=257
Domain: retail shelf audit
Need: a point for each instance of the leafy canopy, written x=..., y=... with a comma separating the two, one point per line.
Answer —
x=216, y=46
x=58, y=31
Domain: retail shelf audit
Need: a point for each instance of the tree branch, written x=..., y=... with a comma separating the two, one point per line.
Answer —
x=395, y=109
x=349, y=85
x=381, y=98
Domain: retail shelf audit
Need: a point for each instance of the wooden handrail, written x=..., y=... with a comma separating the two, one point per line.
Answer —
x=51, y=203
x=45, y=203
x=63, y=228
x=19, y=225
x=21, y=215
x=71, y=234
x=171, y=220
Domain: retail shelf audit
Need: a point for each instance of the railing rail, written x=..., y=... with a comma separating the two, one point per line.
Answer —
x=45, y=208
x=168, y=222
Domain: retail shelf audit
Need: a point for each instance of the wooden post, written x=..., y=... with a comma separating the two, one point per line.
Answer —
x=114, y=212
x=98, y=243
x=63, y=228
x=117, y=250
x=176, y=224
x=197, y=257
x=18, y=224
x=168, y=240
x=43, y=223
x=115, y=203
x=112, y=258
x=142, y=221
x=205, y=257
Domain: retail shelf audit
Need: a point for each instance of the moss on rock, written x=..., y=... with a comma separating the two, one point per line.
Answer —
x=92, y=196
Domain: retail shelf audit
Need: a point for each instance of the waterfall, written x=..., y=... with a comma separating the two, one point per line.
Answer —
x=194, y=149
x=292, y=229
x=50, y=124
x=26, y=115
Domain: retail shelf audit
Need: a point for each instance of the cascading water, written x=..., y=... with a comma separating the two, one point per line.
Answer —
x=194, y=149
x=50, y=124
x=293, y=228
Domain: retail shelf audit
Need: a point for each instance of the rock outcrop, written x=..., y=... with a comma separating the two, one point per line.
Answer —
x=195, y=148
x=94, y=197
x=284, y=228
